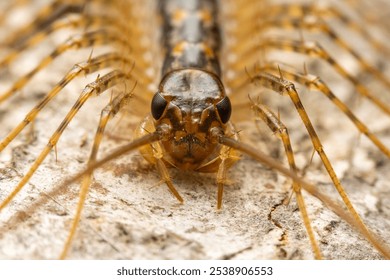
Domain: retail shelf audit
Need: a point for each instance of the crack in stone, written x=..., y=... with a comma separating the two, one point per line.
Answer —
x=284, y=236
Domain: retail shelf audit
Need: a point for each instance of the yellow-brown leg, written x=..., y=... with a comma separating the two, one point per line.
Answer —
x=94, y=38
x=280, y=85
x=277, y=127
x=154, y=154
x=227, y=157
x=87, y=21
x=107, y=113
x=310, y=188
x=95, y=88
x=315, y=49
x=45, y=17
x=315, y=83
x=294, y=16
x=88, y=67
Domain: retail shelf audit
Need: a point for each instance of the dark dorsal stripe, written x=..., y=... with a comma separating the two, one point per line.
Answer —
x=190, y=35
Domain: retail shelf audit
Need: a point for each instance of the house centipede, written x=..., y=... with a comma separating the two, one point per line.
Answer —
x=114, y=44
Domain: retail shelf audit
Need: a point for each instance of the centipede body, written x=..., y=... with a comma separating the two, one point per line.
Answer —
x=138, y=230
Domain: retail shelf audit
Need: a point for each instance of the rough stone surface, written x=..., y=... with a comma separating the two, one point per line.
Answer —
x=129, y=214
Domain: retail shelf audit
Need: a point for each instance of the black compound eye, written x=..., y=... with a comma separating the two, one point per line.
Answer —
x=158, y=105
x=224, y=109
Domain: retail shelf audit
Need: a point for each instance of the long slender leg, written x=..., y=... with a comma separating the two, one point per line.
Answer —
x=303, y=16
x=88, y=68
x=315, y=49
x=312, y=49
x=292, y=16
x=281, y=131
x=279, y=85
x=321, y=26
x=245, y=56
x=95, y=88
x=93, y=65
x=93, y=38
x=46, y=16
x=315, y=83
x=57, y=13
x=330, y=203
x=112, y=31
x=107, y=113
x=249, y=52
x=87, y=21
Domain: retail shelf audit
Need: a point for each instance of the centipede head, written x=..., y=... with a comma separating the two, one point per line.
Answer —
x=192, y=106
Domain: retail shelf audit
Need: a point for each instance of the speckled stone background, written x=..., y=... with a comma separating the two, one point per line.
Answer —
x=129, y=214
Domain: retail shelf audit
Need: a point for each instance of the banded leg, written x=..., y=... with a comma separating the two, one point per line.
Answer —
x=107, y=113
x=277, y=127
x=315, y=83
x=296, y=16
x=279, y=85
x=95, y=88
x=292, y=16
x=337, y=208
x=91, y=66
x=86, y=21
x=56, y=14
x=89, y=39
x=301, y=16
x=45, y=17
x=251, y=51
x=319, y=25
x=315, y=49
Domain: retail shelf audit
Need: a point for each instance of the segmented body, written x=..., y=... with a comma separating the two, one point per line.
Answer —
x=191, y=99
x=192, y=38
x=138, y=223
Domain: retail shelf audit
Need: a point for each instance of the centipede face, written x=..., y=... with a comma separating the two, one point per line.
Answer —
x=77, y=80
x=191, y=104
